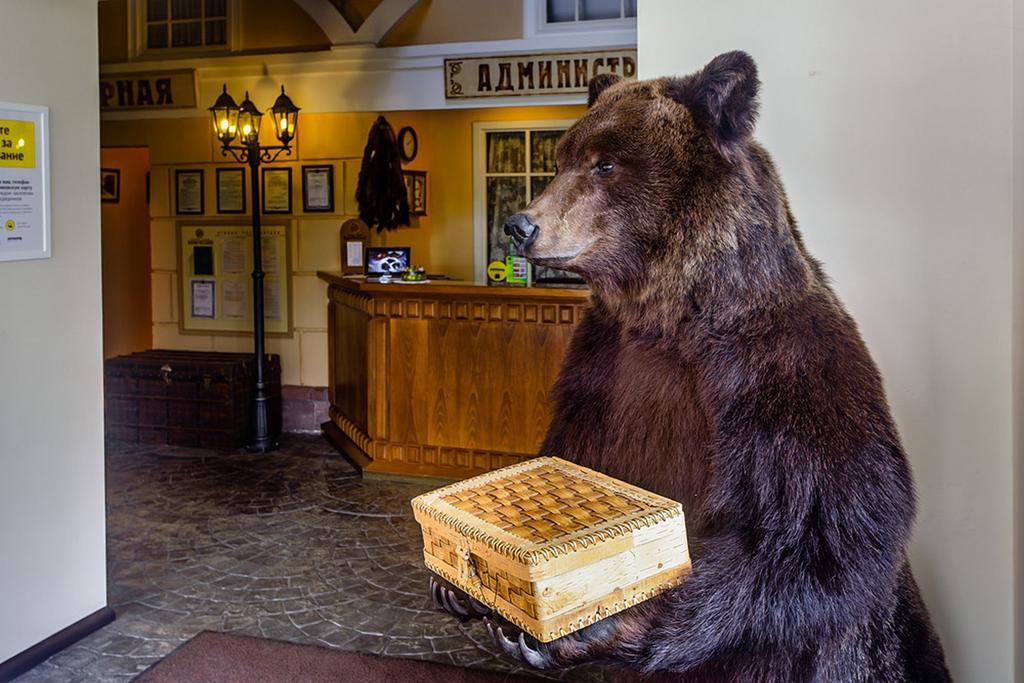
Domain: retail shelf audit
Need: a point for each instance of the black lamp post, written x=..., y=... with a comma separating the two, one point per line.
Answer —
x=232, y=121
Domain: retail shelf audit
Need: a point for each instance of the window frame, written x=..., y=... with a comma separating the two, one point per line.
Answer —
x=480, y=174
x=138, y=33
x=535, y=23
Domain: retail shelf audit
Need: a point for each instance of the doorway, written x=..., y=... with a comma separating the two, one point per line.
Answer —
x=127, y=306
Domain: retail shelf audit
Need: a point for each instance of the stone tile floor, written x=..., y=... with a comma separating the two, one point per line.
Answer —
x=292, y=545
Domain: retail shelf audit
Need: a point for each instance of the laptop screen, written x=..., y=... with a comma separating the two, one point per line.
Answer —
x=381, y=260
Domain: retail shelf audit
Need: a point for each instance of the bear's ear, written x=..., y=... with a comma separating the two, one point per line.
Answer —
x=722, y=98
x=598, y=84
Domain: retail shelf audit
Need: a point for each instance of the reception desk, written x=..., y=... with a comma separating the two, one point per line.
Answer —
x=443, y=380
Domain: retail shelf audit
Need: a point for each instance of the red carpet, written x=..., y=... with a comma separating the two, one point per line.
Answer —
x=229, y=658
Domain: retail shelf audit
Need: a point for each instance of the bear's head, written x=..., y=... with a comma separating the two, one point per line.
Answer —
x=655, y=181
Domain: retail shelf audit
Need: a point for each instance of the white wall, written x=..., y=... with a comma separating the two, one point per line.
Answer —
x=52, y=567
x=891, y=124
x=1018, y=320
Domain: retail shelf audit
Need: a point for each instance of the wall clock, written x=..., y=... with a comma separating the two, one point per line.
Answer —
x=408, y=144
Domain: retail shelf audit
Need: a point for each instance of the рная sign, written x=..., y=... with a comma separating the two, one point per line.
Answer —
x=161, y=90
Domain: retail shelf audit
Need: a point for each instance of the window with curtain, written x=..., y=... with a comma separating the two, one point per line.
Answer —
x=185, y=24
x=519, y=164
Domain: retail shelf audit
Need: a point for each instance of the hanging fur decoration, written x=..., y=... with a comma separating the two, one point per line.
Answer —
x=381, y=194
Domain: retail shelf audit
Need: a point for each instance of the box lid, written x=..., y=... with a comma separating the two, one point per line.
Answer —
x=541, y=509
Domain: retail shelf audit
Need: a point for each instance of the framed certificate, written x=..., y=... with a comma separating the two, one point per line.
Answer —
x=230, y=190
x=188, y=184
x=318, y=188
x=277, y=190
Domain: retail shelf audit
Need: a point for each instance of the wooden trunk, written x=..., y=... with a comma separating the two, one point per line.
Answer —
x=552, y=546
x=186, y=398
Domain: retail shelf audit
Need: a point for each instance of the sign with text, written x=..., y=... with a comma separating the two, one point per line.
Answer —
x=24, y=182
x=215, y=263
x=547, y=74
x=161, y=90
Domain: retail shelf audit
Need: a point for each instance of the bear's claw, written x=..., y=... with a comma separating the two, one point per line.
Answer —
x=453, y=601
x=522, y=648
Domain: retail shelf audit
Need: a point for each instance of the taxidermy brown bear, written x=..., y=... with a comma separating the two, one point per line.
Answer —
x=717, y=367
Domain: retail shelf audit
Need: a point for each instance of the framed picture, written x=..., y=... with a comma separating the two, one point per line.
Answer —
x=277, y=190
x=230, y=190
x=416, y=188
x=110, y=184
x=318, y=188
x=188, y=185
x=25, y=151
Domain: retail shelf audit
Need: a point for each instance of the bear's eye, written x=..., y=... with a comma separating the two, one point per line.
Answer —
x=603, y=167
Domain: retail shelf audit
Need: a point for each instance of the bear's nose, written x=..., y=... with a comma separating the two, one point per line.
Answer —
x=521, y=229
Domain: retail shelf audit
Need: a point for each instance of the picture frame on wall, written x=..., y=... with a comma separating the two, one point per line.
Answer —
x=188, y=191
x=318, y=189
x=110, y=185
x=416, y=189
x=230, y=190
x=277, y=190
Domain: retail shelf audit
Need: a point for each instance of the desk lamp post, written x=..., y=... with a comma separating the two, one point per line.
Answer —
x=232, y=121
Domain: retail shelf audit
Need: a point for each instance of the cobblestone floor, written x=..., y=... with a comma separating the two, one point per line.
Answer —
x=292, y=546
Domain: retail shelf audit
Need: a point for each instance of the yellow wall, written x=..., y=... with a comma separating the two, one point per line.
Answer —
x=456, y=21
x=278, y=25
x=442, y=240
x=113, y=23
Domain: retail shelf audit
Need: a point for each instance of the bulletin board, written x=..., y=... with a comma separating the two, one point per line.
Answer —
x=215, y=276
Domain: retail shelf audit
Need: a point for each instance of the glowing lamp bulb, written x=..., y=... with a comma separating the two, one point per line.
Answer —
x=284, y=123
x=246, y=129
x=224, y=124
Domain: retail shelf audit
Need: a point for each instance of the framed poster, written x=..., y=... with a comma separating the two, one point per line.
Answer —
x=318, y=188
x=277, y=190
x=214, y=272
x=110, y=185
x=230, y=190
x=24, y=182
x=416, y=189
x=188, y=191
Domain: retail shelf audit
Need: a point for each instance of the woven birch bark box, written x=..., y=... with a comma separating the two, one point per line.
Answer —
x=552, y=546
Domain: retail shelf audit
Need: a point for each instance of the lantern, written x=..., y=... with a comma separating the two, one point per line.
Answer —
x=225, y=117
x=286, y=118
x=248, y=122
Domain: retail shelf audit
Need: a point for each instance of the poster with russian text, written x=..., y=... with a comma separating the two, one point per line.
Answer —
x=216, y=292
x=24, y=182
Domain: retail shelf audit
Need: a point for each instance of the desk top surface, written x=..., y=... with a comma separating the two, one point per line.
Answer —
x=454, y=288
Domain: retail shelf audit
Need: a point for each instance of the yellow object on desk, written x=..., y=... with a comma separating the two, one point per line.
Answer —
x=552, y=546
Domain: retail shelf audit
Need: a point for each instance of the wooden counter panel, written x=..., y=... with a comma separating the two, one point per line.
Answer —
x=349, y=358
x=446, y=380
x=473, y=385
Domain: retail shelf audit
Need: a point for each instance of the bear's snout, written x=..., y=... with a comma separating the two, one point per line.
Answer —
x=521, y=229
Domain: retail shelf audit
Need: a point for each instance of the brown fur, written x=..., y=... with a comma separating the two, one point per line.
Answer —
x=718, y=367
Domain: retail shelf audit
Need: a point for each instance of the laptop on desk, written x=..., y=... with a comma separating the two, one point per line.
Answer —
x=392, y=261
